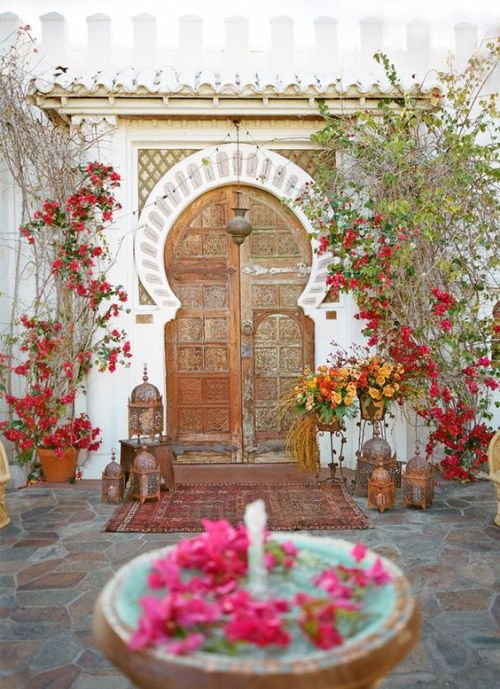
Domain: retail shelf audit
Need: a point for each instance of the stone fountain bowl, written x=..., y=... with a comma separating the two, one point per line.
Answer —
x=360, y=663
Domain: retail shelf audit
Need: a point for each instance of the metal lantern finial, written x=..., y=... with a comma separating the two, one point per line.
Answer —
x=238, y=227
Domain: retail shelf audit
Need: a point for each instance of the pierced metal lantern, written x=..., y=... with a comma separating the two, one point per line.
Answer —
x=418, y=482
x=145, y=477
x=381, y=488
x=113, y=481
x=374, y=449
x=145, y=410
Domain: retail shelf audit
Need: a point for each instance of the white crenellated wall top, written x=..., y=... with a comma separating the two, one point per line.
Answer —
x=150, y=65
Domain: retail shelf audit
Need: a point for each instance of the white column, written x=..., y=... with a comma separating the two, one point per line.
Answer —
x=54, y=49
x=465, y=43
x=190, y=49
x=282, y=43
x=236, y=50
x=372, y=37
x=418, y=45
x=9, y=24
x=145, y=40
x=98, y=40
x=325, y=29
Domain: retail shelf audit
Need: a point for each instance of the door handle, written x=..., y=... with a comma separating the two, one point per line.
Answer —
x=247, y=327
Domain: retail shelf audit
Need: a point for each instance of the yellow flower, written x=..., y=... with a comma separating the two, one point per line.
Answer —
x=380, y=380
x=351, y=390
x=389, y=391
x=385, y=370
x=374, y=393
x=336, y=398
x=395, y=386
x=348, y=400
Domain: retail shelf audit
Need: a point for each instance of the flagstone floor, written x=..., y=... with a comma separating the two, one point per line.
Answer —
x=54, y=559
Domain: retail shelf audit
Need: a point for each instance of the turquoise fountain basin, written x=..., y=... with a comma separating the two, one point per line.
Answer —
x=384, y=637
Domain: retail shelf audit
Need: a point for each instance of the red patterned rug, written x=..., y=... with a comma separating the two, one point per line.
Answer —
x=290, y=507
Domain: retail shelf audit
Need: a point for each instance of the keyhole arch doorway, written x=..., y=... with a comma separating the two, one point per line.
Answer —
x=240, y=339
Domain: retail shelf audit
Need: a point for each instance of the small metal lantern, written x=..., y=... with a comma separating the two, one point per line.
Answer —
x=113, y=481
x=145, y=410
x=418, y=482
x=381, y=488
x=145, y=477
x=374, y=449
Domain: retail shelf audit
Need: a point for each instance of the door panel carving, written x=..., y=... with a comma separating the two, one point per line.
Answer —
x=240, y=340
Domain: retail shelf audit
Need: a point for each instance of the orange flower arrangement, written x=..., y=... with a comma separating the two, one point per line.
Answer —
x=328, y=393
x=380, y=379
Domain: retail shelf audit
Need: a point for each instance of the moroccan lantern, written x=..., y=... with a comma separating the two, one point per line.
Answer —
x=372, y=451
x=145, y=477
x=418, y=482
x=381, y=488
x=113, y=481
x=145, y=410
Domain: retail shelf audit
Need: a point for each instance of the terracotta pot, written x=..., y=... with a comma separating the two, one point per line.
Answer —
x=371, y=410
x=57, y=469
x=332, y=427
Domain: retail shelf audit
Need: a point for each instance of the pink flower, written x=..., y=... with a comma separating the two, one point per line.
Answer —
x=359, y=552
x=446, y=325
x=255, y=621
x=378, y=575
x=190, y=643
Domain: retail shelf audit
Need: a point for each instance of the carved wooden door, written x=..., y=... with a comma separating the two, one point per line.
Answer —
x=239, y=339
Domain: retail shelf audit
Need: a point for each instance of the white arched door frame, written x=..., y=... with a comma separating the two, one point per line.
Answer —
x=191, y=178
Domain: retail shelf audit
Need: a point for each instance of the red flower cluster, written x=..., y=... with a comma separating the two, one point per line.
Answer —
x=57, y=354
x=465, y=442
x=366, y=252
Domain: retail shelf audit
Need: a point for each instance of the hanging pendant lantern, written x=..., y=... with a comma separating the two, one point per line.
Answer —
x=239, y=227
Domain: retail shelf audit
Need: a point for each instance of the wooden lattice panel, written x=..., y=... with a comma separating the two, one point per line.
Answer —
x=152, y=164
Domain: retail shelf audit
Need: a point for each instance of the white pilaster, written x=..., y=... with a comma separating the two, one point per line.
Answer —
x=465, y=43
x=9, y=24
x=236, y=51
x=145, y=40
x=98, y=40
x=282, y=43
x=54, y=49
x=325, y=29
x=418, y=46
x=190, y=49
x=372, y=37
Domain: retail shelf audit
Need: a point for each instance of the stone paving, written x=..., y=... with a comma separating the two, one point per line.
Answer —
x=54, y=559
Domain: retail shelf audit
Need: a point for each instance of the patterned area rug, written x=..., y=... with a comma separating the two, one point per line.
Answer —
x=290, y=507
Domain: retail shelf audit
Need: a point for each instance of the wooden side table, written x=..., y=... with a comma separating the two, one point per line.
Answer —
x=159, y=448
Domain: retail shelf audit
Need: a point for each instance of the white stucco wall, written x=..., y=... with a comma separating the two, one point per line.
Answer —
x=108, y=393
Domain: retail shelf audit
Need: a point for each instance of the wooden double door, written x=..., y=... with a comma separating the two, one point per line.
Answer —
x=239, y=340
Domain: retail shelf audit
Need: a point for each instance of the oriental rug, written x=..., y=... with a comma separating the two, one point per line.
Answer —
x=290, y=507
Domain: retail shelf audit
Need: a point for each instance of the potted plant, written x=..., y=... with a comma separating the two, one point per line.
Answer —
x=378, y=383
x=322, y=399
x=54, y=353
